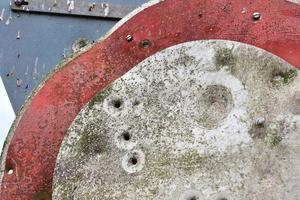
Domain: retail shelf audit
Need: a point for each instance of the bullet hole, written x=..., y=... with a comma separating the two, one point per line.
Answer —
x=117, y=103
x=26, y=87
x=144, y=44
x=133, y=160
x=7, y=75
x=126, y=136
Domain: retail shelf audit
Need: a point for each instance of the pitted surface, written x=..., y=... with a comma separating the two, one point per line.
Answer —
x=200, y=120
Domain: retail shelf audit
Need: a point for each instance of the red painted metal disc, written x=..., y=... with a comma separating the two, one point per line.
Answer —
x=30, y=154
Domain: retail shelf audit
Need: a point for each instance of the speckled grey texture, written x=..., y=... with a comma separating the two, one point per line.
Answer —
x=200, y=120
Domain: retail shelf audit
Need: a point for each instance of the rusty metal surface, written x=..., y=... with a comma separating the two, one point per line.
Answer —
x=71, y=7
x=194, y=120
x=35, y=139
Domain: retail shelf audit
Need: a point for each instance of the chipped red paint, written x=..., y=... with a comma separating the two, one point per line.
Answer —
x=38, y=135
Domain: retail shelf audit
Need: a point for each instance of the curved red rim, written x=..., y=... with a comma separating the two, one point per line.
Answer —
x=37, y=137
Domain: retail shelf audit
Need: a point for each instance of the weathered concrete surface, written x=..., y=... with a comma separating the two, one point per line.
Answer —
x=39, y=129
x=200, y=120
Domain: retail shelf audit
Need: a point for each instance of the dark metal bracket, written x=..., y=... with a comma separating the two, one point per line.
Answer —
x=72, y=7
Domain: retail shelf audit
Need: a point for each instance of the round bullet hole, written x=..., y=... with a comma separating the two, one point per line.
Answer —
x=144, y=44
x=126, y=136
x=133, y=160
x=193, y=198
x=125, y=139
x=114, y=105
x=117, y=103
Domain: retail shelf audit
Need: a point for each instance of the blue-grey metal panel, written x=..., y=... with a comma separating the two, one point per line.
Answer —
x=44, y=39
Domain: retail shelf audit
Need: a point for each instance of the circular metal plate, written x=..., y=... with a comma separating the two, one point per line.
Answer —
x=199, y=120
x=34, y=141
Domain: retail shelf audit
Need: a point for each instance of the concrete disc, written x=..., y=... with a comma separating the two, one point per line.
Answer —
x=200, y=120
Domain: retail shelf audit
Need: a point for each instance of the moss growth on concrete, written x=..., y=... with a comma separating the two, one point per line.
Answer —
x=42, y=195
x=283, y=77
x=100, y=96
x=289, y=75
x=276, y=140
x=92, y=143
x=224, y=57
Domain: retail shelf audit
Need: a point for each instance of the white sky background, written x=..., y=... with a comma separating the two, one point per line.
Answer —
x=7, y=114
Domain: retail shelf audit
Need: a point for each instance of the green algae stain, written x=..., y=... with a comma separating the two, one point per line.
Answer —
x=224, y=57
x=283, y=77
x=100, y=97
x=42, y=195
x=91, y=143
